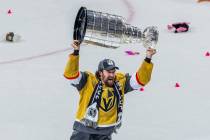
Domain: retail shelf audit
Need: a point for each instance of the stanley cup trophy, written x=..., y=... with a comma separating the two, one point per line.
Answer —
x=110, y=31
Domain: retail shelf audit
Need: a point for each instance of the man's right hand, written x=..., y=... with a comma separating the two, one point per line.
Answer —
x=76, y=45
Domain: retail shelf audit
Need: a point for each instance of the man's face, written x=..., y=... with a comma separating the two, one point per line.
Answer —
x=108, y=77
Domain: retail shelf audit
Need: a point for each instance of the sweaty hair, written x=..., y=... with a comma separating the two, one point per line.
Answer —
x=98, y=75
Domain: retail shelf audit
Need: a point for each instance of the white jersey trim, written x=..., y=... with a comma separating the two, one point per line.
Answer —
x=76, y=80
x=134, y=83
x=109, y=125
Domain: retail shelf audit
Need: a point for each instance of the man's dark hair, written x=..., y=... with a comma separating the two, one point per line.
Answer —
x=98, y=75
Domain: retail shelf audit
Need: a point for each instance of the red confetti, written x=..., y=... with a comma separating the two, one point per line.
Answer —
x=141, y=89
x=207, y=54
x=132, y=53
x=177, y=85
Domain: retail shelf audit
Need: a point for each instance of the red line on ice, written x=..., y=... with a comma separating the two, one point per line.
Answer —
x=130, y=10
x=33, y=57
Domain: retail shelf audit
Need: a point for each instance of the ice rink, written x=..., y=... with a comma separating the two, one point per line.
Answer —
x=38, y=103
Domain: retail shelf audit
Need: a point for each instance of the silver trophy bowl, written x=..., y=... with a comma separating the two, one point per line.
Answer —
x=105, y=29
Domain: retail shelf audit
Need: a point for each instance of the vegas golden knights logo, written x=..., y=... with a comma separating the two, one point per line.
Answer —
x=108, y=102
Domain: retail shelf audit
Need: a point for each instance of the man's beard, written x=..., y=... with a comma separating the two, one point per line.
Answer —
x=109, y=82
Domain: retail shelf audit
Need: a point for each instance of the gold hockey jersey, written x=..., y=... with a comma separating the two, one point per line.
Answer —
x=85, y=82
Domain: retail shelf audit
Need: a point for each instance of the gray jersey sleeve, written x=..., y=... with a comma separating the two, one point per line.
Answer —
x=128, y=87
x=81, y=81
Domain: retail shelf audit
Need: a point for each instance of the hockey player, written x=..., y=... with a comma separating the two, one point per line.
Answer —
x=102, y=94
